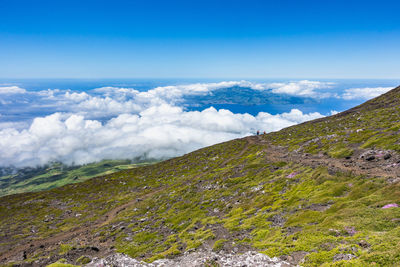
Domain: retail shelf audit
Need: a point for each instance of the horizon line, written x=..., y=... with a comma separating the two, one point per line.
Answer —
x=191, y=78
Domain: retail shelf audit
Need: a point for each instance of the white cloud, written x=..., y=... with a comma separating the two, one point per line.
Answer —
x=149, y=124
x=76, y=97
x=11, y=90
x=49, y=93
x=111, y=101
x=157, y=132
x=16, y=125
x=107, y=102
x=99, y=106
x=175, y=93
x=364, y=93
x=302, y=88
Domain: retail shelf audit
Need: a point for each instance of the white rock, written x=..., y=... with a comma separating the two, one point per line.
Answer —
x=195, y=259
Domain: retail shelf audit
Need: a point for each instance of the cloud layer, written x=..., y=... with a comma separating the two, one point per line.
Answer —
x=102, y=103
x=157, y=132
x=302, y=88
x=364, y=93
x=120, y=123
x=11, y=90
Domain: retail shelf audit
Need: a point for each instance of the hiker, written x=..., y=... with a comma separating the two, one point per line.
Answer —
x=258, y=132
x=265, y=132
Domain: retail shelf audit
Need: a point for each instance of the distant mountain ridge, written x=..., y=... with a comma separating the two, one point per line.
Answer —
x=244, y=96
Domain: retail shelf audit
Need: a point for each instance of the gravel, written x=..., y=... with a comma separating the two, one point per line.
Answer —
x=195, y=259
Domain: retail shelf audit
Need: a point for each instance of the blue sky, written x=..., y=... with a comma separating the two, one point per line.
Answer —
x=199, y=39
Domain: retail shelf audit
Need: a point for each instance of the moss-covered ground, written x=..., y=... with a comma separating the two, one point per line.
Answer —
x=231, y=196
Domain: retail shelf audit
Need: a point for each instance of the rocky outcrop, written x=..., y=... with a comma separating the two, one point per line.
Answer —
x=195, y=259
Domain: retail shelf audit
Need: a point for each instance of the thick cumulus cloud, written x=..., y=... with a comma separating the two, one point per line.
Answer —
x=364, y=93
x=156, y=132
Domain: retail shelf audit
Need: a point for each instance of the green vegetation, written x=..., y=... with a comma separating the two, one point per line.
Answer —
x=340, y=151
x=61, y=263
x=57, y=174
x=374, y=124
x=65, y=248
x=219, y=244
x=83, y=260
x=239, y=194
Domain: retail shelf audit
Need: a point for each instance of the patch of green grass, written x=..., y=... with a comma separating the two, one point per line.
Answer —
x=61, y=263
x=219, y=244
x=65, y=248
x=340, y=151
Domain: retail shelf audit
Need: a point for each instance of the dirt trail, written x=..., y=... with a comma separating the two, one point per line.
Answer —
x=356, y=165
x=104, y=220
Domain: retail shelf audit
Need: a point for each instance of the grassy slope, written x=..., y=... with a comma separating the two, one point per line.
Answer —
x=375, y=123
x=233, y=195
x=56, y=175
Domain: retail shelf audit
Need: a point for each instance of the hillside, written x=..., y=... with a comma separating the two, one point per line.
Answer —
x=56, y=175
x=324, y=192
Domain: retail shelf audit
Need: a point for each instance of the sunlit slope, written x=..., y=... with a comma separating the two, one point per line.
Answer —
x=374, y=124
x=315, y=193
x=57, y=174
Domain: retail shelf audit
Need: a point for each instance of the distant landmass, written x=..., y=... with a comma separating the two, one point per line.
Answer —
x=245, y=96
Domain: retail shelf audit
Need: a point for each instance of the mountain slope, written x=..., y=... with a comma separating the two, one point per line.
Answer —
x=57, y=174
x=315, y=193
